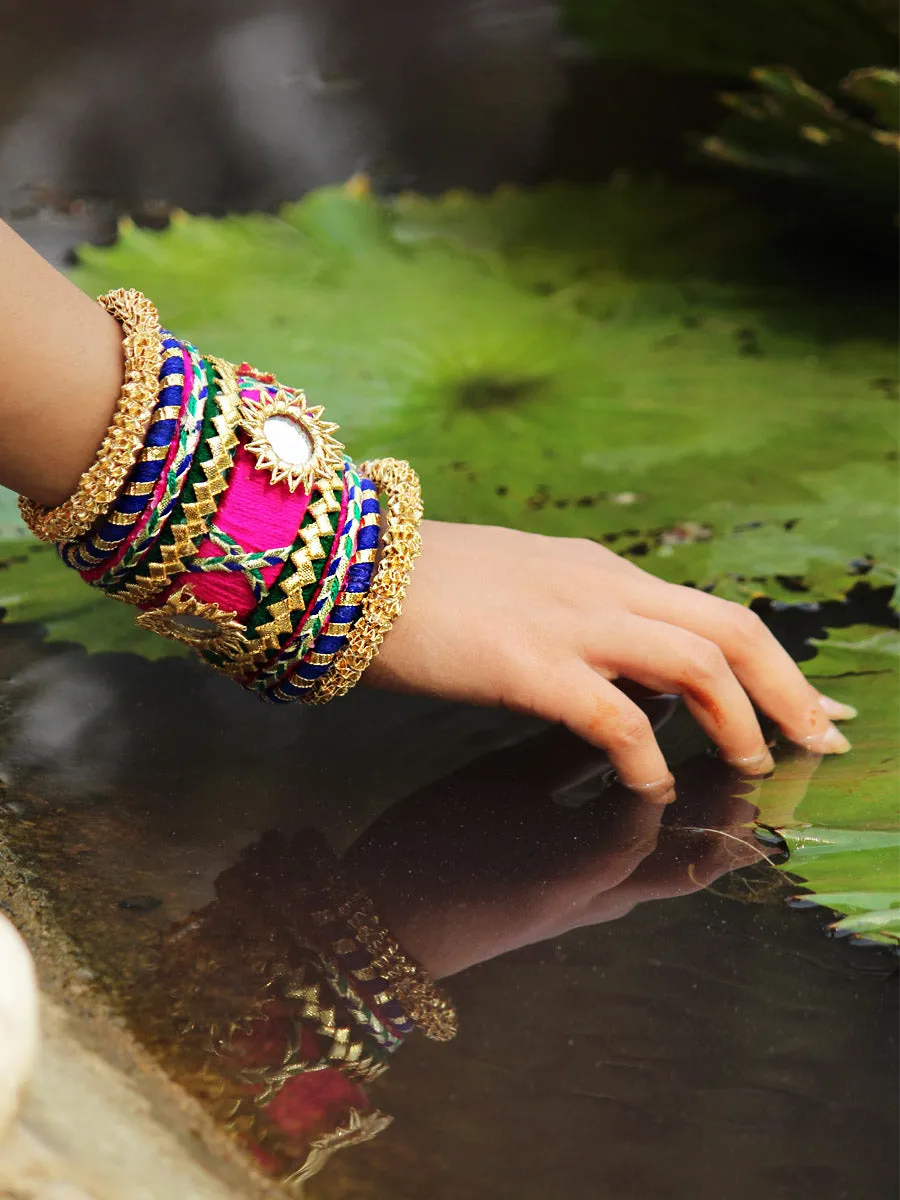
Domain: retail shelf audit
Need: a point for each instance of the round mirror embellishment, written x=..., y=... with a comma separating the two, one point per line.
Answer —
x=288, y=439
x=202, y=626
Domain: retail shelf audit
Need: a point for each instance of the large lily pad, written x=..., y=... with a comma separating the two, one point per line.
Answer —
x=636, y=362
x=844, y=835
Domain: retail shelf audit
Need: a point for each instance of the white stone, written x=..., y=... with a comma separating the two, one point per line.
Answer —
x=18, y=1019
x=289, y=440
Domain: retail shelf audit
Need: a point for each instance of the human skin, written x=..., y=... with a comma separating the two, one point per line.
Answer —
x=492, y=616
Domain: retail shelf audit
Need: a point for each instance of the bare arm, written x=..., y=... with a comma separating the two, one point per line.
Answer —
x=60, y=374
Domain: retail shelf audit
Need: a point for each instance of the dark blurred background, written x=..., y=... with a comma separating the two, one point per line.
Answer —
x=232, y=104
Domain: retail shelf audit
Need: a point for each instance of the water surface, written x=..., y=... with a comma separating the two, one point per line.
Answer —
x=641, y=1015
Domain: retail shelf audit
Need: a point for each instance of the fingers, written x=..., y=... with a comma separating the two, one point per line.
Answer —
x=671, y=659
x=597, y=711
x=758, y=660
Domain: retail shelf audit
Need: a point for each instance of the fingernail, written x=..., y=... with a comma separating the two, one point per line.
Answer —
x=661, y=791
x=754, y=764
x=836, y=710
x=832, y=741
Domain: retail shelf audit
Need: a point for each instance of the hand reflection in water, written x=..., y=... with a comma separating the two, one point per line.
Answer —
x=274, y=1020
x=486, y=861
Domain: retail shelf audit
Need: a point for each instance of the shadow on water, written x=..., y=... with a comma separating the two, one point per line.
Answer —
x=641, y=1016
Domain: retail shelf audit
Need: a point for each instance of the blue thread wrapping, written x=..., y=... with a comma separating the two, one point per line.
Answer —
x=101, y=542
x=345, y=539
x=347, y=612
x=335, y=563
x=192, y=420
x=390, y=1010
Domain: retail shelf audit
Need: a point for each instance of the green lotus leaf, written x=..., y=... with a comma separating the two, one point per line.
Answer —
x=12, y=527
x=35, y=586
x=844, y=835
x=878, y=89
x=845, y=523
x=883, y=924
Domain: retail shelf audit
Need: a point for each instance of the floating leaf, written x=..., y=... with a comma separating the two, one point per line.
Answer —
x=844, y=835
x=876, y=88
x=35, y=586
x=880, y=923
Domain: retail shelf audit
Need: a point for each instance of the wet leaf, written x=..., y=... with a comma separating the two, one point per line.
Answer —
x=878, y=89
x=844, y=835
x=12, y=527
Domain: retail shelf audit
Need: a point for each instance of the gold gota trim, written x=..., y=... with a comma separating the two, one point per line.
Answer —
x=281, y=612
x=195, y=623
x=101, y=482
x=401, y=545
x=306, y=639
x=343, y=1048
x=325, y=451
x=170, y=411
x=190, y=532
x=360, y=1127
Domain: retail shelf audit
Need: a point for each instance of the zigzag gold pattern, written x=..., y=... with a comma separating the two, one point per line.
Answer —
x=342, y=1049
x=189, y=533
x=281, y=612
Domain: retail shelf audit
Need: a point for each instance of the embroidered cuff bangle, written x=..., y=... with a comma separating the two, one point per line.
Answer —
x=222, y=505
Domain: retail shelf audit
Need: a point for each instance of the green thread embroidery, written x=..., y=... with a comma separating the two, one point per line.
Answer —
x=235, y=558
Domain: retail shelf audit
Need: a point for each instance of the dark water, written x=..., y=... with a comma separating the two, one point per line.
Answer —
x=641, y=1015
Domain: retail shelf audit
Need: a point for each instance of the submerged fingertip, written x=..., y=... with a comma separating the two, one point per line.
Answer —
x=754, y=765
x=658, y=791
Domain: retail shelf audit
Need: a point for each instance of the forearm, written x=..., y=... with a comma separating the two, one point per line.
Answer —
x=60, y=375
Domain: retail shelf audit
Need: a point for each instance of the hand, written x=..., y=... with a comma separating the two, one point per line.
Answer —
x=545, y=625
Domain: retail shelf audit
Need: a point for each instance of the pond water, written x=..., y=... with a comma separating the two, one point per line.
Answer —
x=641, y=1014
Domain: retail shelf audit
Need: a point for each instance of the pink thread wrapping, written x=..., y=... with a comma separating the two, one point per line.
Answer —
x=154, y=500
x=259, y=515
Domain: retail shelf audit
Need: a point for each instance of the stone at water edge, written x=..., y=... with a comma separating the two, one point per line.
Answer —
x=18, y=1019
